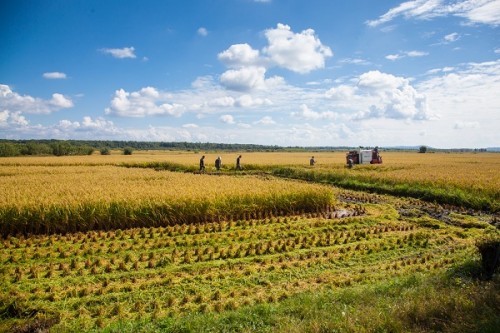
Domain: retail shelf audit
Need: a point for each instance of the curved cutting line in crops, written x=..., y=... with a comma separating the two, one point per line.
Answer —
x=428, y=191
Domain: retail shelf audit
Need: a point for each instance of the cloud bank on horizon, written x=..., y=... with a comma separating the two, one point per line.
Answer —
x=410, y=73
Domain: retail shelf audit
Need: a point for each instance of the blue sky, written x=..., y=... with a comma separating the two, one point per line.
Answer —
x=281, y=72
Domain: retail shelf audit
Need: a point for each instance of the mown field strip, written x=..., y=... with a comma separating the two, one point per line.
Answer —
x=99, y=277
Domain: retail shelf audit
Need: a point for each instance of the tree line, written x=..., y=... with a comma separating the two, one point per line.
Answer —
x=88, y=147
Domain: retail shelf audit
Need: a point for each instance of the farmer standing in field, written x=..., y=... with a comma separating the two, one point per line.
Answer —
x=312, y=161
x=202, y=164
x=238, y=163
x=218, y=163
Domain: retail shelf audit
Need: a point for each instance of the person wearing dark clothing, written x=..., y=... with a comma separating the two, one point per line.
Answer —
x=312, y=161
x=238, y=163
x=218, y=163
x=202, y=164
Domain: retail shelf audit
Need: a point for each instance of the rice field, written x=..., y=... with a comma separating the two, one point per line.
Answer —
x=90, y=245
x=54, y=199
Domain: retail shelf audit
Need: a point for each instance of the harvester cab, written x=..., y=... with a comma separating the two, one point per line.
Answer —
x=363, y=156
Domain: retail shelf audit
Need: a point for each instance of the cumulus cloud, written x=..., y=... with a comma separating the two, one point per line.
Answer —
x=54, y=75
x=13, y=102
x=342, y=92
x=239, y=55
x=474, y=11
x=15, y=119
x=60, y=101
x=267, y=120
x=146, y=102
x=394, y=97
x=126, y=52
x=248, y=101
x=299, y=52
x=225, y=101
x=308, y=114
x=244, y=79
x=227, y=119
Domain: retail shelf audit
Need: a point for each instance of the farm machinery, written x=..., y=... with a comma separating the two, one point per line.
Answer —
x=363, y=156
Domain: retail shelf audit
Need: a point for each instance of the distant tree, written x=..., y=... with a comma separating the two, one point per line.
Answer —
x=422, y=149
x=8, y=149
x=127, y=151
x=105, y=151
x=35, y=148
x=81, y=150
x=61, y=148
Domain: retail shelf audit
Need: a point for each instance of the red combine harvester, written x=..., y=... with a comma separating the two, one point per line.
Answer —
x=363, y=156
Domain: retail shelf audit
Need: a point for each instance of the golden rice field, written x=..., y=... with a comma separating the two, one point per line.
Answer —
x=477, y=170
x=87, y=244
x=68, y=198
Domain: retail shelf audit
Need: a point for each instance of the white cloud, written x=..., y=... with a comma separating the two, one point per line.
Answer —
x=411, y=54
x=475, y=11
x=68, y=125
x=416, y=54
x=298, y=52
x=190, y=126
x=225, y=101
x=4, y=116
x=202, y=31
x=440, y=70
x=478, y=11
x=98, y=125
x=15, y=119
x=12, y=101
x=126, y=52
x=227, y=119
x=54, y=75
x=267, y=120
x=394, y=97
x=450, y=38
x=393, y=57
x=239, y=55
x=248, y=101
x=146, y=102
x=354, y=61
x=244, y=79
x=497, y=51
x=60, y=102
x=342, y=92
x=308, y=114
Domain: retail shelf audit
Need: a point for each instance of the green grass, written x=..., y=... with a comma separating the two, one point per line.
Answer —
x=450, y=301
